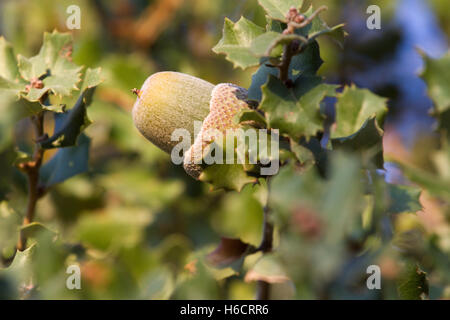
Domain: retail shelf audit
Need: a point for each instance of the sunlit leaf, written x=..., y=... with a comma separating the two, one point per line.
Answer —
x=236, y=41
x=354, y=107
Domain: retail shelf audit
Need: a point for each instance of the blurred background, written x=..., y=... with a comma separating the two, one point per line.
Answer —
x=142, y=225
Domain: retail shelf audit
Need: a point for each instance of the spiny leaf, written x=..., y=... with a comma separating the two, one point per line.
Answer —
x=52, y=63
x=368, y=141
x=70, y=124
x=277, y=9
x=437, y=76
x=354, y=107
x=305, y=63
x=413, y=283
x=236, y=41
x=293, y=111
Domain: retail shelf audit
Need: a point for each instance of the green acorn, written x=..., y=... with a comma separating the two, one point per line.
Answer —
x=168, y=101
x=172, y=100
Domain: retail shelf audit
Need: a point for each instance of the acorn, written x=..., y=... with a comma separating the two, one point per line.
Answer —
x=168, y=101
x=173, y=100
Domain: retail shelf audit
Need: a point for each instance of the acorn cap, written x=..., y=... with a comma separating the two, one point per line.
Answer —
x=169, y=101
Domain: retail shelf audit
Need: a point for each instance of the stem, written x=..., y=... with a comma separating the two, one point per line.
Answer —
x=309, y=20
x=285, y=62
x=262, y=287
x=31, y=169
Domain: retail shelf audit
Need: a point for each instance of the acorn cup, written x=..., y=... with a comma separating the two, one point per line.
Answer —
x=173, y=100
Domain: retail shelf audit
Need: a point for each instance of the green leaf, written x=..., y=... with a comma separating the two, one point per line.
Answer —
x=305, y=63
x=293, y=111
x=231, y=223
x=367, y=141
x=236, y=42
x=277, y=9
x=8, y=62
x=265, y=44
x=70, y=124
x=354, y=107
x=413, y=283
x=35, y=228
x=303, y=154
x=227, y=176
x=403, y=198
x=116, y=228
x=253, y=116
x=436, y=74
x=66, y=163
x=269, y=269
x=435, y=180
x=318, y=27
x=52, y=63
x=444, y=123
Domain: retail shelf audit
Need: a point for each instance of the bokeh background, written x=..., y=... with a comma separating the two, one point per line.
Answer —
x=135, y=220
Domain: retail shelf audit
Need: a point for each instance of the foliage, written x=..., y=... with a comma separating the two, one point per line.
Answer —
x=139, y=227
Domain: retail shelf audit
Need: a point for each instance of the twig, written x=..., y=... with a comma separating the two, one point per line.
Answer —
x=288, y=53
x=31, y=168
x=309, y=20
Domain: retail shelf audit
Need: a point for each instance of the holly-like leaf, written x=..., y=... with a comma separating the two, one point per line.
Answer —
x=70, y=124
x=413, y=283
x=437, y=76
x=66, y=163
x=305, y=63
x=236, y=42
x=227, y=176
x=354, y=107
x=368, y=141
x=52, y=64
x=277, y=9
x=293, y=111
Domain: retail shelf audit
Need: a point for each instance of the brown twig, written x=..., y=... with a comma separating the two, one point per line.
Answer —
x=309, y=20
x=31, y=169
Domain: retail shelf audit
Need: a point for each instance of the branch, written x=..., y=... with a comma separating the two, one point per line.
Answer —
x=31, y=169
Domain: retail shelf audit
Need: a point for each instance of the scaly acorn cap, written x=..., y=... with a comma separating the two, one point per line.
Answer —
x=172, y=100
x=226, y=101
x=168, y=101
